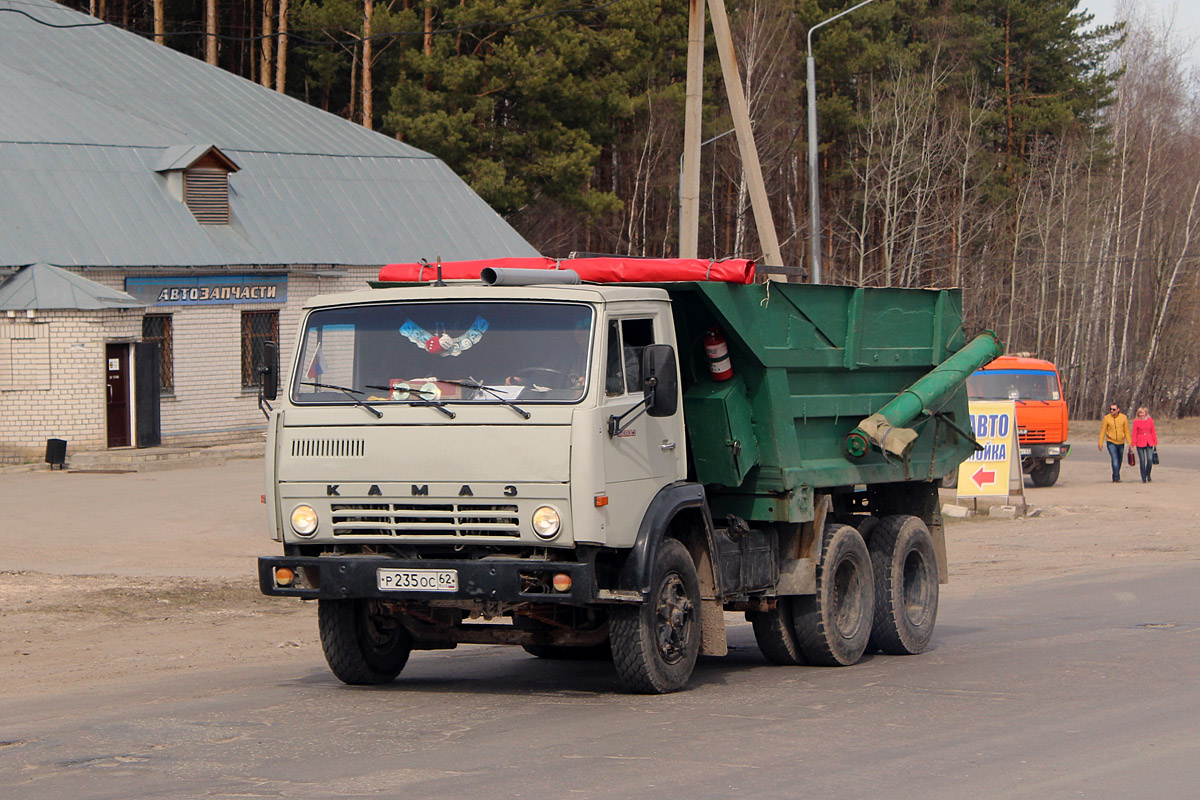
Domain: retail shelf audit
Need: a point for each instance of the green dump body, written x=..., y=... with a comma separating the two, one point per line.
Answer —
x=810, y=364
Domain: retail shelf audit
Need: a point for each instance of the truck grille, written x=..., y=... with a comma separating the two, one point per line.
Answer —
x=328, y=448
x=1033, y=435
x=420, y=519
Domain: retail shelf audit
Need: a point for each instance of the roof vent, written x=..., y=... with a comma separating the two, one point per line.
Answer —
x=199, y=176
x=206, y=193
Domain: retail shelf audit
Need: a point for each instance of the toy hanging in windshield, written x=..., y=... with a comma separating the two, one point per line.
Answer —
x=442, y=343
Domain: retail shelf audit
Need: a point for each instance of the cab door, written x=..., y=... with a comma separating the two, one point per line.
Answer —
x=649, y=453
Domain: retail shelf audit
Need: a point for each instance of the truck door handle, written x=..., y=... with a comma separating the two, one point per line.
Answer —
x=668, y=445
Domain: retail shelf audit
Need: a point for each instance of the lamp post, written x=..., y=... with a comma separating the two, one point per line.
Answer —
x=814, y=195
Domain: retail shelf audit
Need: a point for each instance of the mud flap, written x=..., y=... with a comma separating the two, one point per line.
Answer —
x=712, y=628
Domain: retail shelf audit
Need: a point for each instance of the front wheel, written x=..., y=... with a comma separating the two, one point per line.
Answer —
x=1045, y=474
x=832, y=626
x=363, y=644
x=655, y=644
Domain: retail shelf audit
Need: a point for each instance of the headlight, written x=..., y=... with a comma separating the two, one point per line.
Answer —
x=304, y=520
x=546, y=522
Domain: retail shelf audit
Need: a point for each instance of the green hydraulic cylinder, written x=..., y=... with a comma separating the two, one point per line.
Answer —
x=888, y=428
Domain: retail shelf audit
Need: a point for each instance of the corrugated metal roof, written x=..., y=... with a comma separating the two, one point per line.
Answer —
x=91, y=113
x=41, y=286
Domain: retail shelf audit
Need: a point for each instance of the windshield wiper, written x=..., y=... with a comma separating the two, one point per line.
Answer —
x=416, y=394
x=474, y=384
x=349, y=393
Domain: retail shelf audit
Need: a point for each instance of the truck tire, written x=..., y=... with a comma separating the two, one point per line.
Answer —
x=906, y=585
x=655, y=644
x=832, y=626
x=363, y=645
x=1045, y=474
x=773, y=632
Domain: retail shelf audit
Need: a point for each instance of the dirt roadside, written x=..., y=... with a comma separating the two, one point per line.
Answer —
x=112, y=578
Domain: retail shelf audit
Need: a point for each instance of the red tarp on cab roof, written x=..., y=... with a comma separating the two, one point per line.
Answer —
x=595, y=270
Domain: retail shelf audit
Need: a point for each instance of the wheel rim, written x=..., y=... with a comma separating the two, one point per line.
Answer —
x=674, y=614
x=916, y=588
x=847, y=606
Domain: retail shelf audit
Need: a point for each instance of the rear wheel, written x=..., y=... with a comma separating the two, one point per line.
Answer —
x=655, y=644
x=832, y=626
x=906, y=585
x=1045, y=474
x=773, y=632
x=363, y=644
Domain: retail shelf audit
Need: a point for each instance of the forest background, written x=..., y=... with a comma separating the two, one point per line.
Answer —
x=1049, y=167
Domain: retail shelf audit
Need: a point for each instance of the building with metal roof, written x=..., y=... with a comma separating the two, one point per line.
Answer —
x=41, y=286
x=218, y=204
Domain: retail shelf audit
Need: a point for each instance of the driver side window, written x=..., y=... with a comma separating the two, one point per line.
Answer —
x=626, y=339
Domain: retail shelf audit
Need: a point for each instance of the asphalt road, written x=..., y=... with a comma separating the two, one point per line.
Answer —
x=1081, y=687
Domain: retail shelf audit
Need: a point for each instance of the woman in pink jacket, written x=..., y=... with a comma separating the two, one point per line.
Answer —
x=1145, y=439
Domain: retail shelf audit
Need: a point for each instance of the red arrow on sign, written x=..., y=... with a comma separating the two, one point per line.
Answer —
x=983, y=476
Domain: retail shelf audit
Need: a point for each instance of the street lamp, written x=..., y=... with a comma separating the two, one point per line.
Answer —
x=814, y=199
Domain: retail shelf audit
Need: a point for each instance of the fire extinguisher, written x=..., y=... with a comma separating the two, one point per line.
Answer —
x=717, y=350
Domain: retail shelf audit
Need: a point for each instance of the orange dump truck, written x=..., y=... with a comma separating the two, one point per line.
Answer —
x=1041, y=410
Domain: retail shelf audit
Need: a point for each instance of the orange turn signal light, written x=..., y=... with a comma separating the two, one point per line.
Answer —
x=601, y=500
x=284, y=576
x=562, y=582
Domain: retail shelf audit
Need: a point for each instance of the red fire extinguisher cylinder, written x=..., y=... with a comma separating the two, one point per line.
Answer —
x=719, y=366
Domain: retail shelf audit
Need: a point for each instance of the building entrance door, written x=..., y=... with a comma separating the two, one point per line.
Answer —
x=116, y=357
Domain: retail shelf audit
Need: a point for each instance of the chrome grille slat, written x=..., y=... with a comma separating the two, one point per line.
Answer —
x=434, y=519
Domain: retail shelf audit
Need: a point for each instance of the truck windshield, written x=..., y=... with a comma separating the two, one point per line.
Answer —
x=478, y=352
x=1013, y=385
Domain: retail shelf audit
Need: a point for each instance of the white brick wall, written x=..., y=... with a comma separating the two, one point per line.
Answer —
x=73, y=405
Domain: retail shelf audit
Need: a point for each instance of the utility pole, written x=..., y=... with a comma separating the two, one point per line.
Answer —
x=690, y=182
x=689, y=173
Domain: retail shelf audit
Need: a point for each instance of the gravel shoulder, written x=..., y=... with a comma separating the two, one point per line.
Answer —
x=107, y=579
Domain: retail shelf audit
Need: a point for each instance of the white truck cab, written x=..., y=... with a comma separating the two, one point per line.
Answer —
x=410, y=420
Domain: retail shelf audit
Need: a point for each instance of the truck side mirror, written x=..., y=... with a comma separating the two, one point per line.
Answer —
x=269, y=370
x=660, y=380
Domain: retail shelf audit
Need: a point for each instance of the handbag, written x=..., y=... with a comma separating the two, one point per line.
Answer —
x=1131, y=460
x=1154, y=456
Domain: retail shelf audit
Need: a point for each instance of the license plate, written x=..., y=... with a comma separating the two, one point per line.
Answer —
x=1026, y=451
x=417, y=580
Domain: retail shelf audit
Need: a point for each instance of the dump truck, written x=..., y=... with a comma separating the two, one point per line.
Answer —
x=1036, y=388
x=599, y=458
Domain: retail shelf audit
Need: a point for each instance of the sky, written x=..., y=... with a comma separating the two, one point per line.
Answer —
x=1186, y=20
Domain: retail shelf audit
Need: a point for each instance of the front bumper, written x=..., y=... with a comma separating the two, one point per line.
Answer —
x=508, y=580
x=1042, y=452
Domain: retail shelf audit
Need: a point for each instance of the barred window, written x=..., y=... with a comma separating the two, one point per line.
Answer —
x=156, y=328
x=257, y=327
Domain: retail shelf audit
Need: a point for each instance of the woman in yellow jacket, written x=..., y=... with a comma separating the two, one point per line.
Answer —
x=1114, y=431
